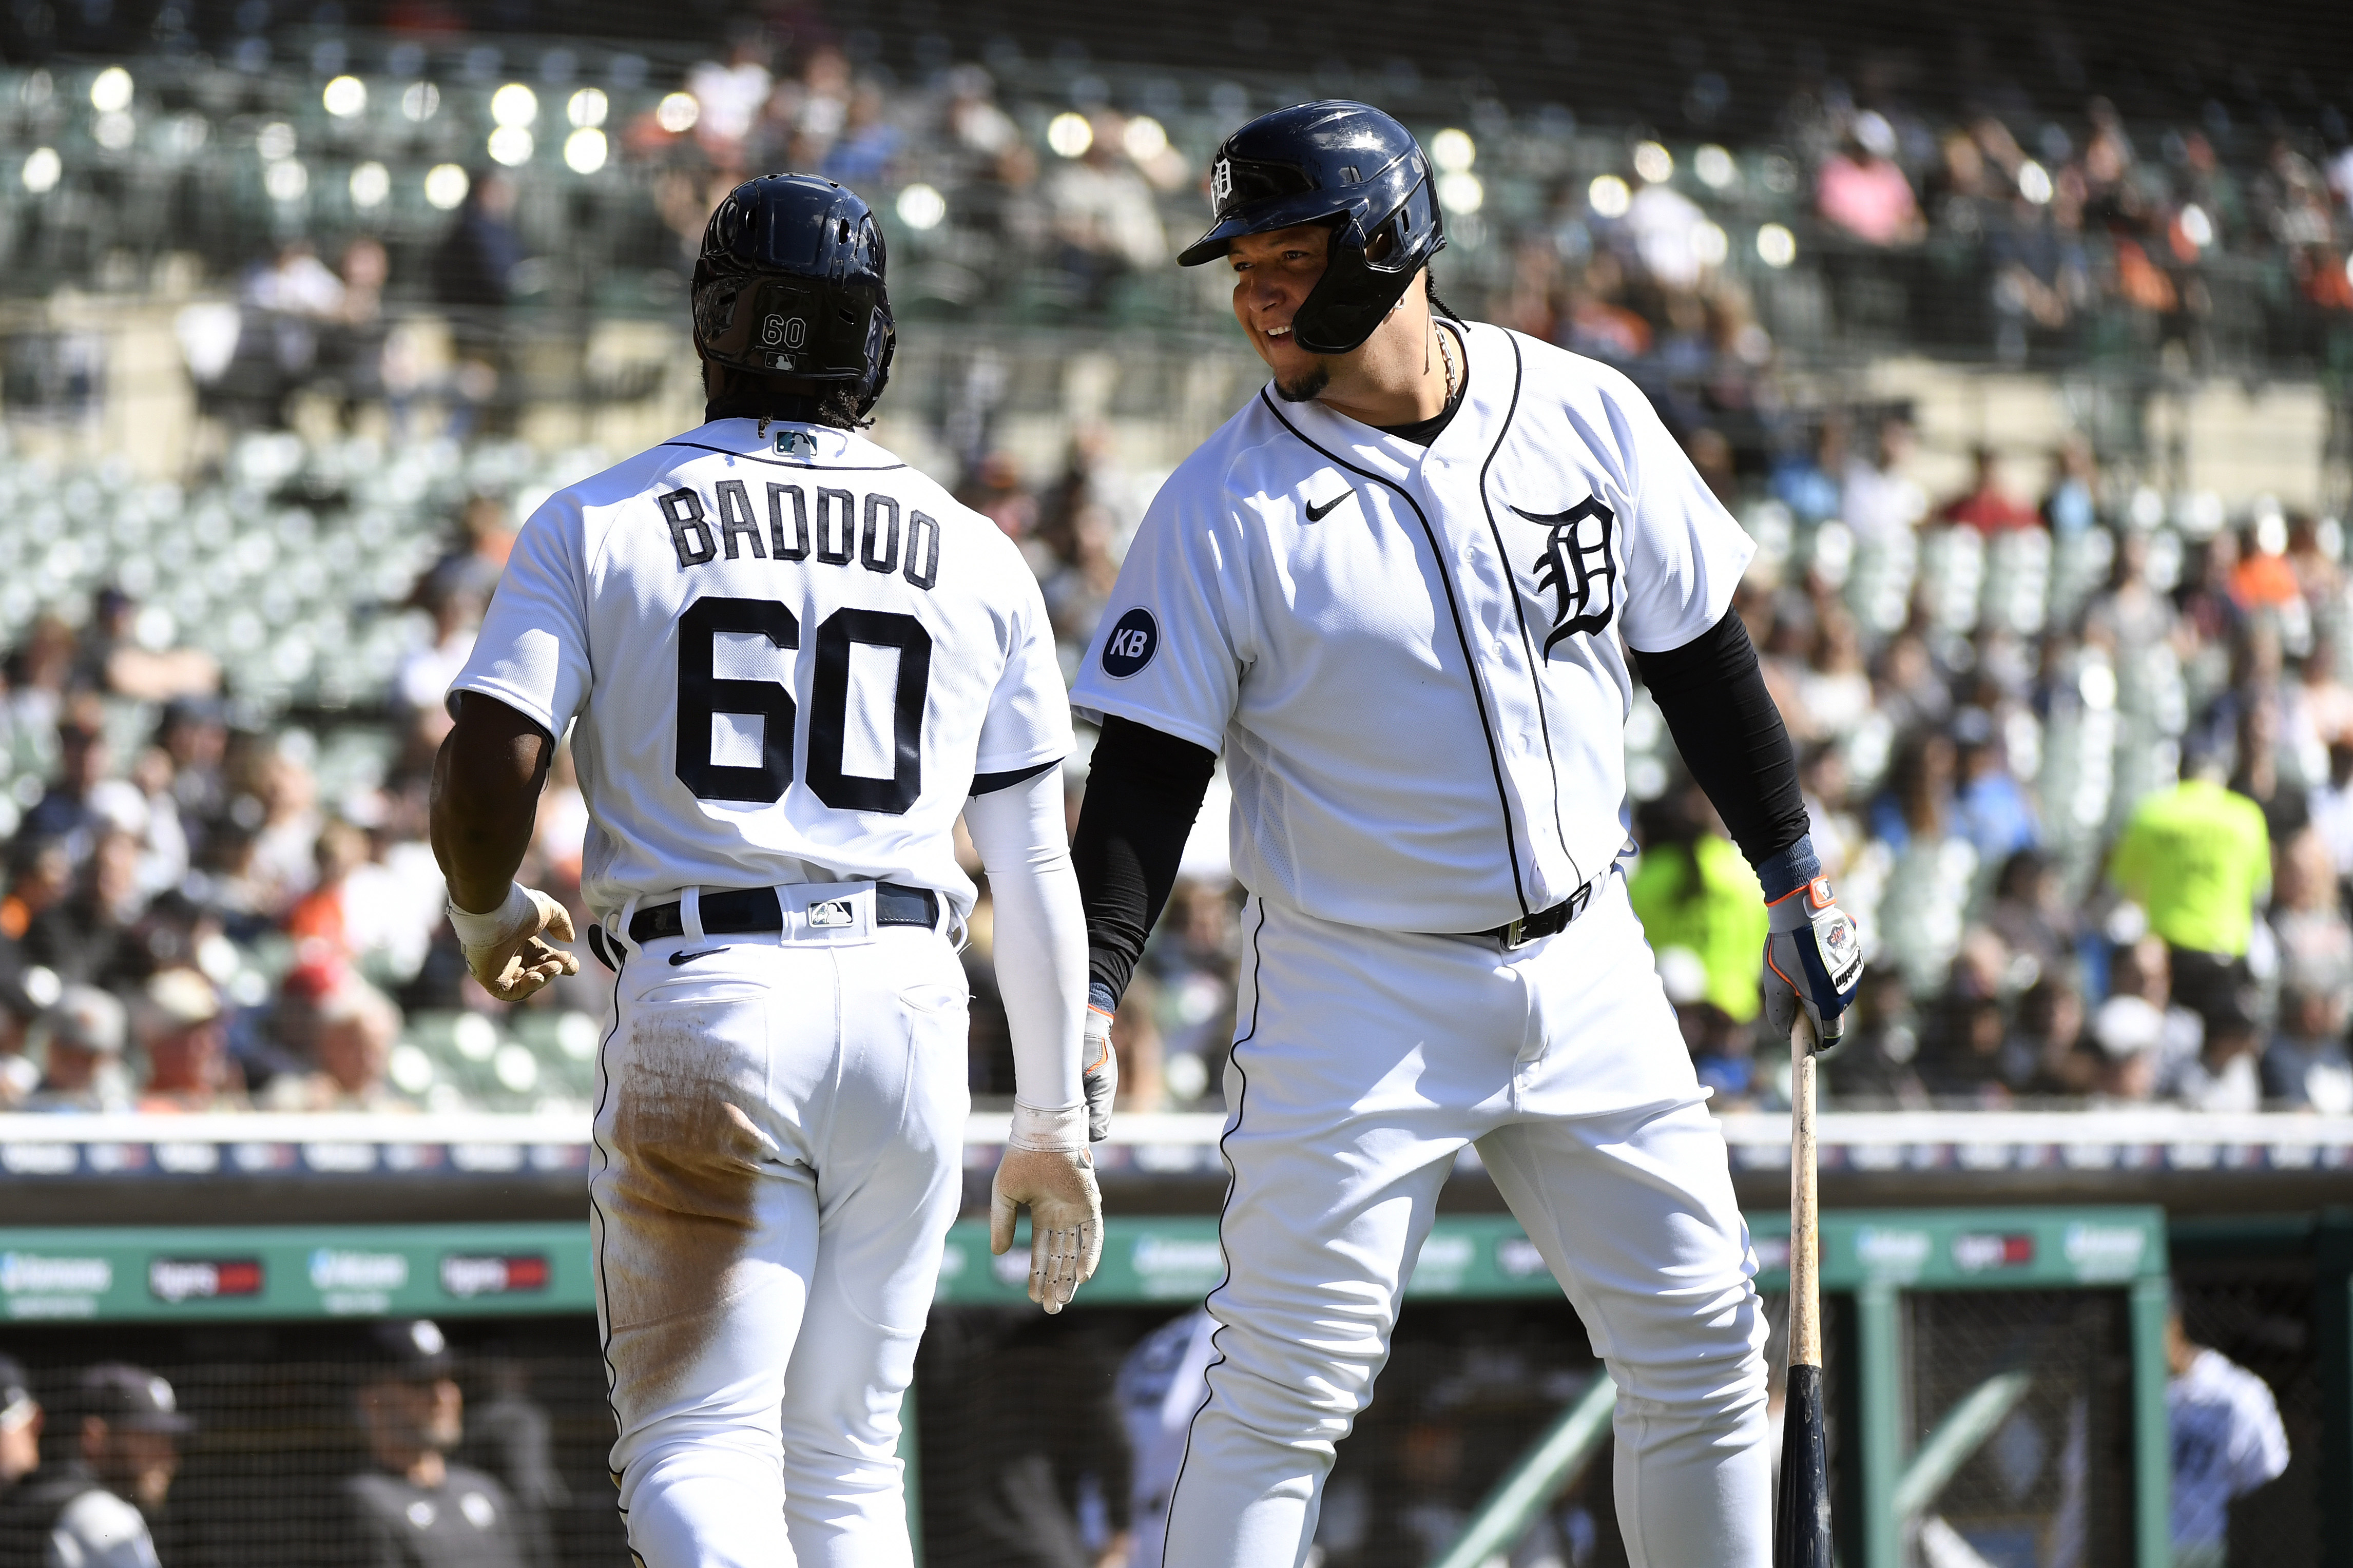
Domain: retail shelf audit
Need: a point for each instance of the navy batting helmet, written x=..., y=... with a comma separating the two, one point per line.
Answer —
x=1345, y=163
x=789, y=283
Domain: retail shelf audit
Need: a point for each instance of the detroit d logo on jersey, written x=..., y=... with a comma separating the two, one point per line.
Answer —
x=1578, y=566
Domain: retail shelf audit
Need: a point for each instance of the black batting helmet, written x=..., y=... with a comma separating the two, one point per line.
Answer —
x=789, y=283
x=1317, y=163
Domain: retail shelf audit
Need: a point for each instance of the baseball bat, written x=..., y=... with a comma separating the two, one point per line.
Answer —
x=1802, y=1515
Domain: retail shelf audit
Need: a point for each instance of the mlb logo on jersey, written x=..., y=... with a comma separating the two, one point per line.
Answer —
x=832, y=913
x=796, y=444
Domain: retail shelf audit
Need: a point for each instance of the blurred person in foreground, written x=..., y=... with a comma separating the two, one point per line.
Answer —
x=2196, y=858
x=107, y=1470
x=412, y=1508
x=2227, y=1441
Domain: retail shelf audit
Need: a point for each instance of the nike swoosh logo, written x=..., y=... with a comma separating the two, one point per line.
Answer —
x=1318, y=514
x=678, y=958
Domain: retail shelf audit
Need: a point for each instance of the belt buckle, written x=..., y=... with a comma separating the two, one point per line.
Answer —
x=1515, y=934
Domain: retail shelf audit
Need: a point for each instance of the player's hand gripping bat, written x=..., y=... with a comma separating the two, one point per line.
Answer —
x=1813, y=962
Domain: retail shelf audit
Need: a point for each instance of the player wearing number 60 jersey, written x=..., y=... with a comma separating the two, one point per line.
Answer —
x=789, y=662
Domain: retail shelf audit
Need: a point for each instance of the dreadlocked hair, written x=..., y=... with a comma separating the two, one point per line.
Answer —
x=731, y=394
x=1438, y=307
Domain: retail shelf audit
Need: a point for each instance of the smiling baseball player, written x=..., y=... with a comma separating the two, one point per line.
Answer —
x=794, y=661
x=1393, y=591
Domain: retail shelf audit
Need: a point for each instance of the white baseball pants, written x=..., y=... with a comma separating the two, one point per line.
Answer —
x=778, y=1138
x=1365, y=1062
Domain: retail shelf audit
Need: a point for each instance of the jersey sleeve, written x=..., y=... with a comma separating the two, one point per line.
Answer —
x=533, y=651
x=1168, y=653
x=1684, y=553
x=1029, y=719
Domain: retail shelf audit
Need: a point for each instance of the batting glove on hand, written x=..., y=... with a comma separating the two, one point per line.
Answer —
x=505, y=948
x=1102, y=1072
x=1813, y=961
x=1048, y=1171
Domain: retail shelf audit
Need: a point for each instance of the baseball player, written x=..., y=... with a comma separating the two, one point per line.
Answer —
x=1396, y=592
x=793, y=662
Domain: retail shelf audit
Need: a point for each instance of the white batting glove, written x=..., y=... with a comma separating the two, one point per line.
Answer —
x=1813, y=961
x=1102, y=1072
x=506, y=948
x=1047, y=1169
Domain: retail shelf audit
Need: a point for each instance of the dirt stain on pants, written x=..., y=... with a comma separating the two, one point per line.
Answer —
x=686, y=1161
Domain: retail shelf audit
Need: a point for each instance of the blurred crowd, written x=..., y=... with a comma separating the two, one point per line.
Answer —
x=2079, y=757
x=396, y=186
x=190, y=924
x=2078, y=751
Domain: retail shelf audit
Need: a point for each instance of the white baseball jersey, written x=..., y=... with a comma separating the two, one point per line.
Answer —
x=1410, y=655
x=789, y=657
x=2227, y=1441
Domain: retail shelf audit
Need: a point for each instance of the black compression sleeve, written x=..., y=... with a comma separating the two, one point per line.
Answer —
x=1143, y=790
x=1731, y=735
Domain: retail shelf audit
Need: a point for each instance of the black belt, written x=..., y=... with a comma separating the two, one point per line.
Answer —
x=740, y=911
x=1542, y=924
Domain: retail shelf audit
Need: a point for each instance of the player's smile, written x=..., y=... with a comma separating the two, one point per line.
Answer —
x=1273, y=275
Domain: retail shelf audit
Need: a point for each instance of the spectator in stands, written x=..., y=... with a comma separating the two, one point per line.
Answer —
x=84, y=798
x=1692, y=890
x=2305, y=1067
x=413, y=1508
x=2048, y=1051
x=1990, y=808
x=19, y=1012
x=1878, y=501
x=731, y=97
x=2071, y=506
x=342, y=1030
x=1723, y=1054
x=81, y=936
x=2196, y=859
x=1986, y=506
x=81, y=1038
x=283, y=864
x=869, y=141
x=995, y=490
x=1861, y=190
x=2225, y=1073
x=111, y=657
x=185, y=1040
x=1963, y=1062
x=107, y=1468
x=474, y=279
x=2227, y=1442
x=2029, y=911
x=1106, y=224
